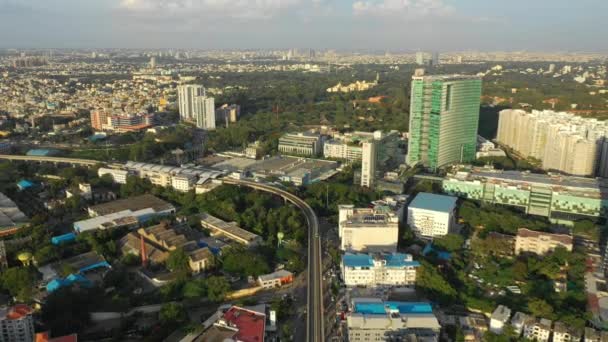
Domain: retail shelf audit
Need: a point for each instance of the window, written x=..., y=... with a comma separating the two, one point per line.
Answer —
x=448, y=96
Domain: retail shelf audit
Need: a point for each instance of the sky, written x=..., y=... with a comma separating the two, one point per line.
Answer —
x=395, y=25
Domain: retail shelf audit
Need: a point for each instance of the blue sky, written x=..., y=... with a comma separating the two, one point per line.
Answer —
x=444, y=25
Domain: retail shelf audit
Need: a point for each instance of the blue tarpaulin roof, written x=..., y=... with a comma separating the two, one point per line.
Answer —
x=380, y=308
x=25, y=184
x=357, y=260
x=70, y=280
x=441, y=255
x=97, y=265
x=65, y=238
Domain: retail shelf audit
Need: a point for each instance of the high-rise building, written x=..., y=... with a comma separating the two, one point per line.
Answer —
x=228, y=113
x=563, y=142
x=17, y=324
x=368, y=163
x=186, y=98
x=444, y=115
x=204, y=112
x=420, y=58
x=435, y=59
x=152, y=62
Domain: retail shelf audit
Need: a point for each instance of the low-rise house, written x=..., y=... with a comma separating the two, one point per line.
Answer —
x=499, y=318
x=230, y=230
x=564, y=333
x=275, y=279
x=530, y=241
x=538, y=329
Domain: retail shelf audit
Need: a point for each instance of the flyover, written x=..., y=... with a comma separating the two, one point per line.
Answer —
x=57, y=160
x=315, y=331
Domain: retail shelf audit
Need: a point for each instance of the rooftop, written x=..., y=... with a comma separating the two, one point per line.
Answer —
x=502, y=313
x=10, y=215
x=251, y=325
x=230, y=228
x=15, y=312
x=378, y=307
x=527, y=233
x=367, y=260
x=427, y=201
x=132, y=203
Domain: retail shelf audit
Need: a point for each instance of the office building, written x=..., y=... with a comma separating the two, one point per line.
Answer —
x=379, y=270
x=563, y=199
x=541, y=243
x=444, y=115
x=17, y=324
x=435, y=59
x=368, y=229
x=563, y=142
x=203, y=109
x=430, y=215
x=302, y=144
x=372, y=319
x=499, y=318
x=186, y=95
x=230, y=230
x=538, y=329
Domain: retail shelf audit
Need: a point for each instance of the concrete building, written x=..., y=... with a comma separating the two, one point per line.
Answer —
x=430, y=215
x=444, y=115
x=17, y=324
x=563, y=142
x=518, y=321
x=183, y=182
x=230, y=230
x=203, y=109
x=561, y=198
x=371, y=319
x=337, y=149
x=368, y=164
x=302, y=144
x=368, y=229
x=563, y=333
x=5, y=147
x=499, y=318
x=102, y=120
x=186, y=95
x=119, y=176
x=11, y=217
x=592, y=335
x=236, y=324
x=275, y=279
x=373, y=270
x=227, y=114
x=538, y=329
x=530, y=241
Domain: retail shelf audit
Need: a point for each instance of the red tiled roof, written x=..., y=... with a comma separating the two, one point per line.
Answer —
x=251, y=325
x=19, y=311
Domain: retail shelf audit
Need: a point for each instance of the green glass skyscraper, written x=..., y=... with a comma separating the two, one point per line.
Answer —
x=444, y=115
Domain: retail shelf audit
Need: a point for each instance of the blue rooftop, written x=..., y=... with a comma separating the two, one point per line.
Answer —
x=440, y=254
x=41, y=152
x=24, y=184
x=434, y=202
x=357, y=260
x=398, y=260
x=380, y=308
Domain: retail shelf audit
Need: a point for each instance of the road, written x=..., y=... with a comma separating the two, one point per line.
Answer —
x=315, y=331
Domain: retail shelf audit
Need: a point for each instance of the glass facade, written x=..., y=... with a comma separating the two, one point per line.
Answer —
x=444, y=115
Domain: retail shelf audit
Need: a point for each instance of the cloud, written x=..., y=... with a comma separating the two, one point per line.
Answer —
x=399, y=8
x=236, y=9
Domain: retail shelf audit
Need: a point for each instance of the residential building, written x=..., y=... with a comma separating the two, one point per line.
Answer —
x=368, y=164
x=230, y=230
x=302, y=144
x=118, y=176
x=227, y=114
x=102, y=120
x=183, y=182
x=444, y=115
x=530, y=241
x=563, y=199
x=499, y=318
x=337, y=149
x=275, y=279
x=355, y=86
x=374, y=270
x=186, y=95
x=237, y=324
x=592, y=335
x=518, y=321
x=420, y=58
x=563, y=333
x=203, y=109
x=538, y=329
x=431, y=215
x=562, y=141
x=17, y=324
x=372, y=319
x=368, y=229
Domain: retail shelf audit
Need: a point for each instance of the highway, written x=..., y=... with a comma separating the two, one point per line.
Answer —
x=73, y=161
x=315, y=331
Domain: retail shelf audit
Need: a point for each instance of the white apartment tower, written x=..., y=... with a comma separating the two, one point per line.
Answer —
x=204, y=112
x=185, y=97
x=368, y=164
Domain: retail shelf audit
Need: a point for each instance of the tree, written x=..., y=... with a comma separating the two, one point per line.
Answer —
x=171, y=313
x=449, y=242
x=195, y=289
x=178, y=261
x=217, y=288
x=67, y=311
x=45, y=255
x=433, y=284
x=19, y=281
x=540, y=308
x=238, y=260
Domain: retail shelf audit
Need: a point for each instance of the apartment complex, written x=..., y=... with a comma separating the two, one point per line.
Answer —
x=379, y=270
x=499, y=318
x=563, y=142
x=431, y=215
x=228, y=114
x=530, y=241
x=372, y=319
x=444, y=115
x=17, y=324
x=302, y=144
x=102, y=120
x=195, y=106
x=561, y=198
x=368, y=229
x=538, y=329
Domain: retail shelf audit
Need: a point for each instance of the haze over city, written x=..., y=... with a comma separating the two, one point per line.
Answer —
x=445, y=25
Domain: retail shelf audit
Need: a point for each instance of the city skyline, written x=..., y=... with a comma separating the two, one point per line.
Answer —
x=444, y=25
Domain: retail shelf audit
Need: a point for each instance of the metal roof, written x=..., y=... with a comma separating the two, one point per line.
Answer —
x=434, y=202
